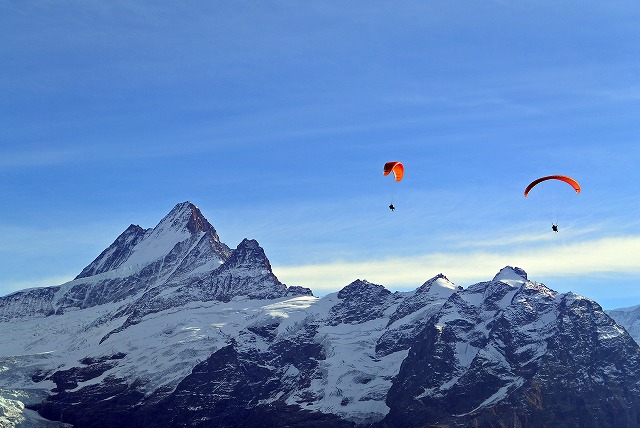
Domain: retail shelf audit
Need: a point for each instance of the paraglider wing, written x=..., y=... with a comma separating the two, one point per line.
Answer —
x=396, y=167
x=573, y=183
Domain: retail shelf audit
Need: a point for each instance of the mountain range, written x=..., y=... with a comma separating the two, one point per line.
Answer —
x=170, y=327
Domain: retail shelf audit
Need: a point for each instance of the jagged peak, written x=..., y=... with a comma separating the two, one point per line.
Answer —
x=249, y=255
x=440, y=280
x=183, y=206
x=187, y=215
x=136, y=247
x=436, y=289
x=133, y=228
x=509, y=273
x=251, y=244
x=362, y=287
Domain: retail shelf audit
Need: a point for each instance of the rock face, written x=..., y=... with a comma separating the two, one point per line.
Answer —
x=169, y=327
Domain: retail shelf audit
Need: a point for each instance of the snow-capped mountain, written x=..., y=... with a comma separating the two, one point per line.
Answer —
x=170, y=327
x=512, y=352
x=183, y=244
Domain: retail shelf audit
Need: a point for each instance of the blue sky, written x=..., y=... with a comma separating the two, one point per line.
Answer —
x=276, y=118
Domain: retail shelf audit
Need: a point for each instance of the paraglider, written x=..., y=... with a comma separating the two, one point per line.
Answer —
x=573, y=183
x=570, y=181
x=397, y=168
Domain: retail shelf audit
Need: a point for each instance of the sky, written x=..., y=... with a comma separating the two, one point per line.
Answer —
x=275, y=118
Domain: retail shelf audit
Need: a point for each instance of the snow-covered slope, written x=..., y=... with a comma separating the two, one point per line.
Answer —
x=169, y=327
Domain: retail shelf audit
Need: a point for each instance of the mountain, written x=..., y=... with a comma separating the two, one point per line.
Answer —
x=512, y=352
x=182, y=245
x=629, y=318
x=169, y=327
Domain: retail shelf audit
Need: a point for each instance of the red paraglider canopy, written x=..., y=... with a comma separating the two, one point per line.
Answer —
x=573, y=183
x=396, y=167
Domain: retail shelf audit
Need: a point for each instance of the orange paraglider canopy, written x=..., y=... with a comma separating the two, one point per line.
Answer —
x=396, y=167
x=573, y=183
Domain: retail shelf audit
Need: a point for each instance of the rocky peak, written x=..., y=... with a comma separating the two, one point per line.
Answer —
x=186, y=216
x=438, y=284
x=361, y=289
x=509, y=273
x=431, y=294
x=247, y=272
x=248, y=255
x=189, y=216
x=136, y=247
x=361, y=301
x=498, y=291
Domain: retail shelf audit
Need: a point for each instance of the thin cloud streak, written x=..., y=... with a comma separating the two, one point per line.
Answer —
x=524, y=238
x=607, y=255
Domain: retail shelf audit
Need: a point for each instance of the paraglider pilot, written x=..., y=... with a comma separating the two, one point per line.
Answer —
x=398, y=172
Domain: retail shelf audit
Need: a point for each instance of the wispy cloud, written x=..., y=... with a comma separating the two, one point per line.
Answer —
x=613, y=254
x=516, y=238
